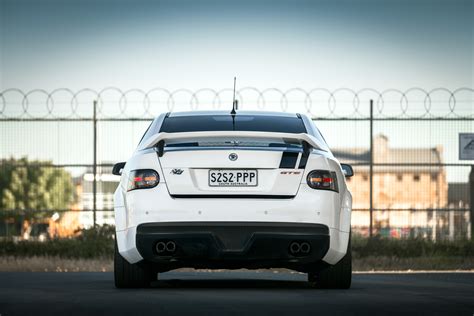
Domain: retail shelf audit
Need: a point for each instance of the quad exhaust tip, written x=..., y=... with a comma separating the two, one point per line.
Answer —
x=170, y=246
x=295, y=247
x=160, y=247
x=305, y=247
x=300, y=248
x=165, y=247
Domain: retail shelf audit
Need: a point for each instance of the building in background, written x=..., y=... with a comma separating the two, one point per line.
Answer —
x=458, y=195
x=410, y=189
x=402, y=178
x=81, y=216
x=106, y=185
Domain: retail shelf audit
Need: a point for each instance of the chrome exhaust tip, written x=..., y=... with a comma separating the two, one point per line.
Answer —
x=160, y=247
x=305, y=247
x=170, y=246
x=295, y=247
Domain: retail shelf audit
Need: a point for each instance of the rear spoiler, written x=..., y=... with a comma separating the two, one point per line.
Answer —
x=159, y=139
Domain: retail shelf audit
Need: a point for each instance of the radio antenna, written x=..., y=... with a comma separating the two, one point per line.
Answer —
x=235, y=103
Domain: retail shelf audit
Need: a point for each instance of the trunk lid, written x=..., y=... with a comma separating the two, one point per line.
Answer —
x=195, y=172
x=268, y=164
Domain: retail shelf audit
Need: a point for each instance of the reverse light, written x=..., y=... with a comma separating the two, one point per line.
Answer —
x=143, y=179
x=322, y=180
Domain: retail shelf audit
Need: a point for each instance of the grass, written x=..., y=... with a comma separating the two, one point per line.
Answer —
x=410, y=248
x=91, y=244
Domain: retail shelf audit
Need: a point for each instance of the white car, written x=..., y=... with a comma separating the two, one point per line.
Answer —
x=218, y=190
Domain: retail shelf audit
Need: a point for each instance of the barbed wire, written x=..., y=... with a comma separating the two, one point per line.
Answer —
x=64, y=103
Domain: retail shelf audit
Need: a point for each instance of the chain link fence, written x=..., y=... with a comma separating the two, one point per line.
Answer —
x=58, y=149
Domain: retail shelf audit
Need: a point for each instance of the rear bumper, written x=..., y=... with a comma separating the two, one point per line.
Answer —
x=233, y=244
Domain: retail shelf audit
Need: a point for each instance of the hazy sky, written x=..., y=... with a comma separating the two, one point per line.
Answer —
x=380, y=44
x=195, y=44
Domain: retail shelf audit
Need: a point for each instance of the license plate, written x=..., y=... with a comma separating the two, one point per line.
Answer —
x=233, y=178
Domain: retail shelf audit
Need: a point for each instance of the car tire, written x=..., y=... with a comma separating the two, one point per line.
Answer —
x=127, y=275
x=338, y=276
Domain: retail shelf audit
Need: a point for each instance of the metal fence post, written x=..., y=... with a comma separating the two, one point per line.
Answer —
x=471, y=200
x=371, y=168
x=94, y=166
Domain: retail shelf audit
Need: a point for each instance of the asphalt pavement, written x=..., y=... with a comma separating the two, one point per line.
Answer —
x=235, y=293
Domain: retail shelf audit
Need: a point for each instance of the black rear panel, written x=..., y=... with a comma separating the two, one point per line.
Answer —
x=233, y=244
x=288, y=160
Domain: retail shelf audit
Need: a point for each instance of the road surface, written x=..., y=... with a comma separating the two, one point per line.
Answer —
x=235, y=293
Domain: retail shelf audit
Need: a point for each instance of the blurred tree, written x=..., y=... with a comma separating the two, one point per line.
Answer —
x=34, y=185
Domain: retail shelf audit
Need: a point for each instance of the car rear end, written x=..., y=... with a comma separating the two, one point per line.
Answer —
x=213, y=190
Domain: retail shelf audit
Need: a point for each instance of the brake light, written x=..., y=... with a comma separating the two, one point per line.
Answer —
x=143, y=179
x=322, y=180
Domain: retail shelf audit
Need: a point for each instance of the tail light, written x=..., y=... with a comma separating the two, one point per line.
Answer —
x=322, y=180
x=143, y=179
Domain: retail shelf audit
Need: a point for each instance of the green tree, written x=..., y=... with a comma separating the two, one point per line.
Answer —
x=34, y=185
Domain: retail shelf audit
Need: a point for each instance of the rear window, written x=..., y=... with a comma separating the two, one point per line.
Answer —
x=257, y=123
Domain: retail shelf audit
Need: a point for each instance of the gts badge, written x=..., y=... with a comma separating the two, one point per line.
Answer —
x=177, y=171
